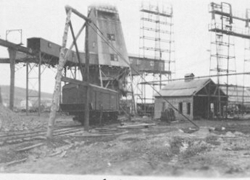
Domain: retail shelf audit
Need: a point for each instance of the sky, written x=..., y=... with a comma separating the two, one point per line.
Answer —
x=46, y=19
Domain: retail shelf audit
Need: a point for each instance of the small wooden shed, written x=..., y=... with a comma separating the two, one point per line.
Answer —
x=195, y=98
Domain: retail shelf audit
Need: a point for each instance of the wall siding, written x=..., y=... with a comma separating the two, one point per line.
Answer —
x=175, y=102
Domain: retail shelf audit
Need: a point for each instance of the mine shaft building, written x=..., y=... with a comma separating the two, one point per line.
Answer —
x=194, y=98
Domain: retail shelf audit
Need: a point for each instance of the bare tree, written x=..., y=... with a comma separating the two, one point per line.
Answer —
x=57, y=89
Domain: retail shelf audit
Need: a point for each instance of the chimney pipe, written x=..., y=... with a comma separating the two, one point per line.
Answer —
x=189, y=77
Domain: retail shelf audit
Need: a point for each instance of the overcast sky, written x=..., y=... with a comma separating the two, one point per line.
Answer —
x=46, y=19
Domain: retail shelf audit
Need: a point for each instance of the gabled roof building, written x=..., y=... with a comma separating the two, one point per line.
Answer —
x=194, y=98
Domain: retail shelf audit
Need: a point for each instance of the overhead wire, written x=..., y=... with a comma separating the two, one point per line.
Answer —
x=121, y=56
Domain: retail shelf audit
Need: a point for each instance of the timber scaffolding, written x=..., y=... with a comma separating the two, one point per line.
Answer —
x=222, y=54
x=155, y=53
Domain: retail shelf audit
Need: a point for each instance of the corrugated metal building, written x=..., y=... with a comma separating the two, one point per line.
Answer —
x=195, y=98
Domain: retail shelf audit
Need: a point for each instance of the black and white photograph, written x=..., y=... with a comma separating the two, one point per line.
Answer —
x=124, y=89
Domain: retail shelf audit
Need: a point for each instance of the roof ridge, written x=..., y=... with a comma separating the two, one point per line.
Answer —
x=183, y=88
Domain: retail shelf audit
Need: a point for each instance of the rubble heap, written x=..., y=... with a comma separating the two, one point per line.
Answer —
x=9, y=120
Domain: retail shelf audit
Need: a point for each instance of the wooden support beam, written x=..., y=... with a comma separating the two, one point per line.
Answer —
x=77, y=13
x=1, y=99
x=76, y=47
x=18, y=60
x=12, y=54
x=39, y=82
x=203, y=95
x=17, y=47
x=86, y=119
x=4, y=60
x=27, y=88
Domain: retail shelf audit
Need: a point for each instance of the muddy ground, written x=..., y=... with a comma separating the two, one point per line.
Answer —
x=218, y=149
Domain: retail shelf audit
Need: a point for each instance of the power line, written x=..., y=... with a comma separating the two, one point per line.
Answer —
x=119, y=54
x=201, y=77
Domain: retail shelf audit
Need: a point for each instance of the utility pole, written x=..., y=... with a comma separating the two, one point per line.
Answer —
x=86, y=119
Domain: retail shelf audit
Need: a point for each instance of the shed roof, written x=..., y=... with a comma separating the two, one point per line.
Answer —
x=236, y=94
x=183, y=88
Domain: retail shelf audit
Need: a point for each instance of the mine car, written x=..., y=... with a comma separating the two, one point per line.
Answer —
x=103, y=103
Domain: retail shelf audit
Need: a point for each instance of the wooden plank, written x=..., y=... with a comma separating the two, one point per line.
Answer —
x=16, y=162
x=143, y=125
x=88, y=135
x=29, y=147
x=203, y=95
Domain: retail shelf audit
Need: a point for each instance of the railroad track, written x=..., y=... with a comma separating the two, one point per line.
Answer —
x=16, y=137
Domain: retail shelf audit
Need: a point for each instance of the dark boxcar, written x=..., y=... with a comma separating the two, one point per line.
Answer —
x=103, y=103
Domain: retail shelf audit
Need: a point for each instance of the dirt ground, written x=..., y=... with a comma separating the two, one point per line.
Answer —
x=141, y=147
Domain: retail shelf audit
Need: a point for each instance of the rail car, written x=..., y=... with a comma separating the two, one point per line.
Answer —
x=103, y=103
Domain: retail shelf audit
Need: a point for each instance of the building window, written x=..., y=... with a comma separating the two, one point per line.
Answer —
x=180, y=107
x=188, y=108
x=113, y=57
x=111, y=37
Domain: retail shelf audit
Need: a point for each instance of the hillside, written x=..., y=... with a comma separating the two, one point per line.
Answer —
x=20, y=94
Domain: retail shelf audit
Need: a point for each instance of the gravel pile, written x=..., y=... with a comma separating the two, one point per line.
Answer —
x=9, y=120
